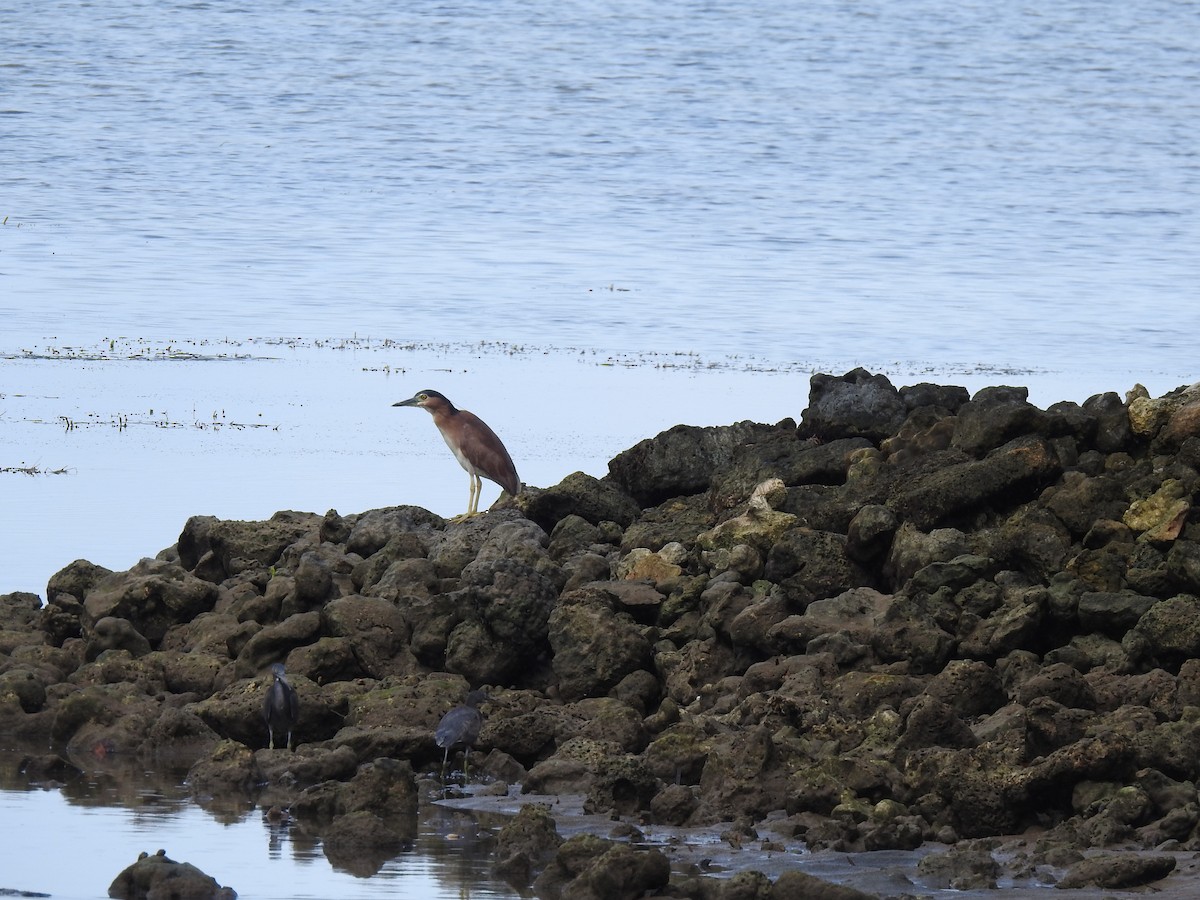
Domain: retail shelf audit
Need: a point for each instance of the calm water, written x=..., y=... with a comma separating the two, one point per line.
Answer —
x=101, y=821
x=997, y=184
x=551, y=201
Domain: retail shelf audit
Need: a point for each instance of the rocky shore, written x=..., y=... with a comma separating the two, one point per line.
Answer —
x=916, y=619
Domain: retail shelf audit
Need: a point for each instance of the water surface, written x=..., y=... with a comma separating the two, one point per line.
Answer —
x=956, y=183
x=73, y=841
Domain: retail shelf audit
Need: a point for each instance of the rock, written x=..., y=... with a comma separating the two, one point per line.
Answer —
x=75, y=580
x=589, y=868
x=227, y=548
x=525, y=844
x=152, y=596
x=855, y=613
x=506, y=608
x=679, y=461
x=591, y=499
x=857, y=404
x=373, y=530
x=111, y=633
x=594, y=647
x=1168, y=632
x=273, y=643
x=1019, y=468
x=965, y=869
x=1114, y=872
x=230, y=768
x=995, y=416
x=621, y=786
x=158, y=877
x=26, y=686
x=376, y=634
x=796, y=885
x=673, y=805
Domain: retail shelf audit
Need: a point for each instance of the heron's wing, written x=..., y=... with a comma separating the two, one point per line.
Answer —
x=489, y=456
x=444, y=735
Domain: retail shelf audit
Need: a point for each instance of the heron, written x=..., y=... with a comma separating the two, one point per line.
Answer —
x=460, y=727
x=281, y=708
x=473, y=444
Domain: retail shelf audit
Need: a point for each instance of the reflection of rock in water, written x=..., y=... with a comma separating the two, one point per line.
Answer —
x=364, y=822
x=361, y=842
x=461, y=841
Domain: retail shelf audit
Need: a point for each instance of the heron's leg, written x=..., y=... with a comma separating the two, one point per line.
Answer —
x=476, y=490
x=290, y=740
x=445, y=758
x=270, y=738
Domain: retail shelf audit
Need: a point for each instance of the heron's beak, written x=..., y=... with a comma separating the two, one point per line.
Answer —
x=411, y=401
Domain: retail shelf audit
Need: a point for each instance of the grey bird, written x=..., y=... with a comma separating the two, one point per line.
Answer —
x=281, y=708
x=460, y=728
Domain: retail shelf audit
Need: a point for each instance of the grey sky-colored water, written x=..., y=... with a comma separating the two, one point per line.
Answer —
x=963, y=183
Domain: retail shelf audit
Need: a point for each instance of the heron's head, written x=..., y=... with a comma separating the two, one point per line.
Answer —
x=277, y=670
x=430, y=400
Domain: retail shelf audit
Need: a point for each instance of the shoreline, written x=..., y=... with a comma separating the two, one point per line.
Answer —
x=243, y=428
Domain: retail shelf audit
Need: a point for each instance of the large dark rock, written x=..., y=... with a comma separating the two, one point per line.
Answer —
x=680, y=461
x=152, y=596
x=158, y=877
x=590, y=868
x=373, y=530
x=505, y=606
x=857, y=404
x=375, y=632
x=221, y=548
x=591, y=499
x=525, y=844
x=77, y=580
x=594, y=647
x=1010, y=474
x=995, y=416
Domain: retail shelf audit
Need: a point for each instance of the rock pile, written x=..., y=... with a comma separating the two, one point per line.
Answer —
x=917, y=615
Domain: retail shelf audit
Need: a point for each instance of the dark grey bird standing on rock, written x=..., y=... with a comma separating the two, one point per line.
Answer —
x=281, y=708
x=473, y=444
x=460, y=727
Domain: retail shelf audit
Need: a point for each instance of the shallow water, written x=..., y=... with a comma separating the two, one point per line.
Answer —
x=75, y=840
